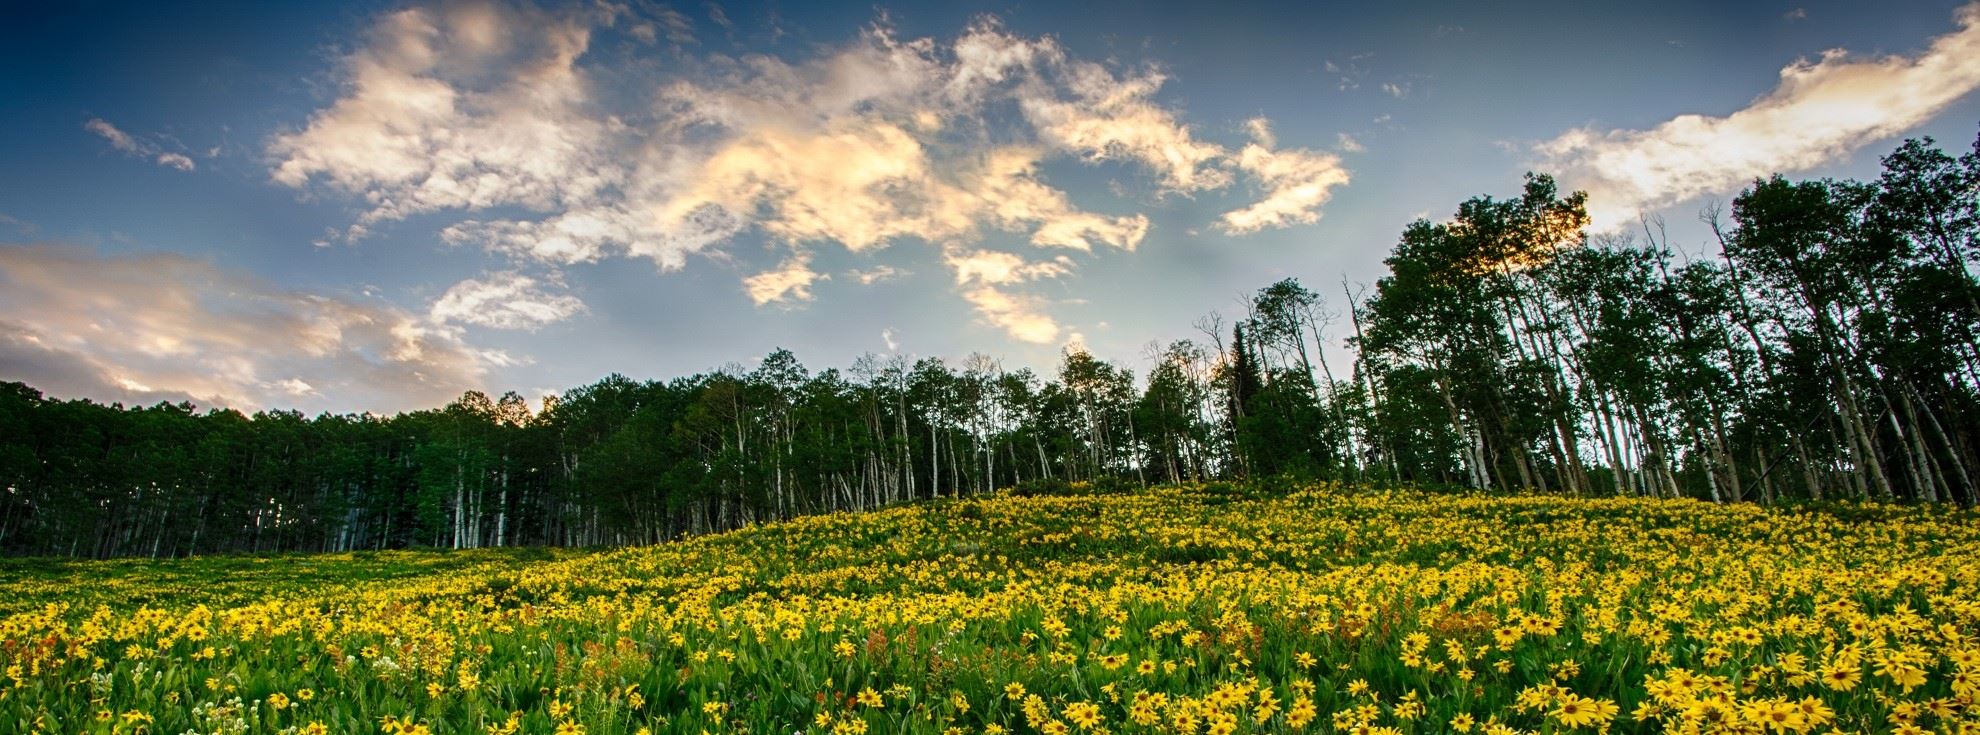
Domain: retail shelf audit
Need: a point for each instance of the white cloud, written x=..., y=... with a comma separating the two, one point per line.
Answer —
x=128, y=144
x=790, y=281
x=505, y=300
x=887, y=337
x=1820, y=111
x=860, y=184
x=1296, y=182
x=1110, y=117
x=883, y=140
x=166, y=327
x=1349, y=144
x=465, y=107
x=175, y=160
x=295, y=387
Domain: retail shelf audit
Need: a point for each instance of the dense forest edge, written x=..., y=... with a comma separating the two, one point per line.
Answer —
x=1826, y=351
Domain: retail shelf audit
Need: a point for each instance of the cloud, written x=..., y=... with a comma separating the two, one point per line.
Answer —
x=1348, y=73
x=499, y=112
x=175, y=160
x=1110, y=117
x=1819, y=112
x=465, y=107
x=505, y=300
x=1296, y=183
x=984, y=275
x=887, y=338
x=997, y=268
x=143, y=328
x=680, y=30
x=720, y=18
x=1349, y=144
x=118, y=138
x=876, y=274
x=790, y=281
x=134, y=147
x=1015, y=199
x=1019, y=316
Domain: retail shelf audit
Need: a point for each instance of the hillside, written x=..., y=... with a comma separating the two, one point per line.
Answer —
x=1198, y=609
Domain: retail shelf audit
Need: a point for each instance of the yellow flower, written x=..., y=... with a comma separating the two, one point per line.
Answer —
x=1574, y=710
x=1084, y=714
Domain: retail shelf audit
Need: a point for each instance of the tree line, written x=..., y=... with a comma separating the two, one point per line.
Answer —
x=1825, y=349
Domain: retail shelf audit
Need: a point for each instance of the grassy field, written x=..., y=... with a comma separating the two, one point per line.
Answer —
x=1205, y=610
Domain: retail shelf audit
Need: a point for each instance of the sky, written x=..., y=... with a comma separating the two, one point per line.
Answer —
x=375, y=206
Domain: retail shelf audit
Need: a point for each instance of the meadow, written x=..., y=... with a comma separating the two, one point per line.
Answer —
x=1199, y=609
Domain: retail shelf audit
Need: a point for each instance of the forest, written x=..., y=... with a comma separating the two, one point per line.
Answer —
x=1824, y=350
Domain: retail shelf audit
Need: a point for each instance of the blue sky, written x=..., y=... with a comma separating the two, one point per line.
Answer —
x=375, y=206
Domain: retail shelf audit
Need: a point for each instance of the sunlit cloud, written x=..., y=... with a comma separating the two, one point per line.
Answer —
x=491, y=110
x=985, y=275
x=1296, y=184
x=997, y=268
x=145, y=328
x=1019, y=316
x=790, y=281
x=1819, y=112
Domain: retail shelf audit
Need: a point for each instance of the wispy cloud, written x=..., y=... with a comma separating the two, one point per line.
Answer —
x=877, y=274
x=137, y=148
x=1348, y=72
x=155, y=327
x=1821, y=111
